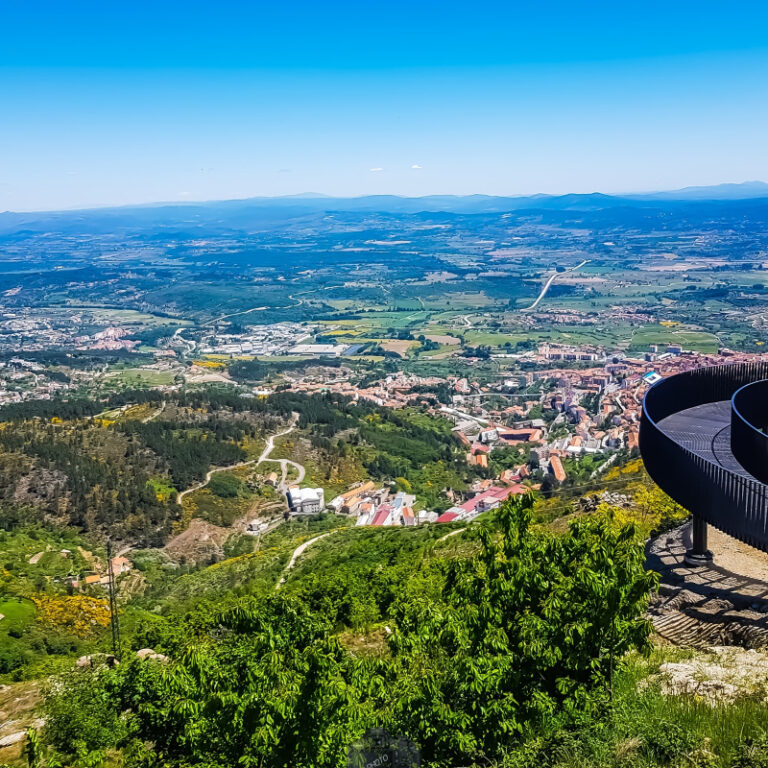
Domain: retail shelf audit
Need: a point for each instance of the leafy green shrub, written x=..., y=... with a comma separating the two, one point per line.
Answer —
x=532, y=625
x=12, y=657
x=81, y=712
x=258, y=683
x=225, y=485
x=666, y=741
x=752, y=753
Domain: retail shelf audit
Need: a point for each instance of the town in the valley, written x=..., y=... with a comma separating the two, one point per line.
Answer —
x=549, y=408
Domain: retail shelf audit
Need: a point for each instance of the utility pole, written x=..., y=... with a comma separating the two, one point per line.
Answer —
x=114, y=618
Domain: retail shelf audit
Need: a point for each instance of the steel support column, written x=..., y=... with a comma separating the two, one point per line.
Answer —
x=698, y=554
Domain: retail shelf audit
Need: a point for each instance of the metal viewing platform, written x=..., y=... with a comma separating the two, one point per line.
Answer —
x=703, y=441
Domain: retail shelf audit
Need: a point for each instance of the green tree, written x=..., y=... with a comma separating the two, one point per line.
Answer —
x=81, y=718
x=258, y=684
x=531, y=625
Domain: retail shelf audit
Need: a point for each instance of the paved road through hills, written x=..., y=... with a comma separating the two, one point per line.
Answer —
x=549, y=283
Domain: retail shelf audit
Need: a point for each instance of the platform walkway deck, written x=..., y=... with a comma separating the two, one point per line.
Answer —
x=706, y=431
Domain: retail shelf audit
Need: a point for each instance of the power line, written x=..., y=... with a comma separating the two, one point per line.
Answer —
x=114, y=617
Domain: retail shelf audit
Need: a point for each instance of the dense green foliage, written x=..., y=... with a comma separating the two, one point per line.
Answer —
x=484, y=648
x=189, y=448
x=91, y=476
x=532, y=624
x=353, y=578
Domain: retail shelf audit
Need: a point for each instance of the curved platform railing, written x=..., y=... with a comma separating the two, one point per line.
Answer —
x=731, y=502
x=749, y=421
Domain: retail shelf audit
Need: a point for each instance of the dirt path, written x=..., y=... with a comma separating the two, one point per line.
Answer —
x=153, y=416
x=284, y=463
x=297, y=553
x=257, y=509
x=267, y=450
x=449, y=534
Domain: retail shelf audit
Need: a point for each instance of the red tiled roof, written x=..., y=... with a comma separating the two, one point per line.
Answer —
x=381, y=515
x=492, y=494
x=447, y=517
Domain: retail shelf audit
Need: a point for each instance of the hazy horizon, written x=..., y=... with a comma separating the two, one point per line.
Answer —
x=322, y=196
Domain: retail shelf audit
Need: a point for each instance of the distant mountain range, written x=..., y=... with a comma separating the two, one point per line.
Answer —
x=258, y=211
x=745, y=191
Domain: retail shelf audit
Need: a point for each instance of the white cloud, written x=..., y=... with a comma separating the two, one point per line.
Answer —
x=416, y=167
x=375, y=170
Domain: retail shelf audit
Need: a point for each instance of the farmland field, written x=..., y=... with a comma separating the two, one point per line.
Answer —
x=698, y=341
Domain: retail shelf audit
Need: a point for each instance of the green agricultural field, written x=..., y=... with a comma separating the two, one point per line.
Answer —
x=138, y=377
x=32, y=555
x=492, y=338
x=443, y=351
x=699, y=341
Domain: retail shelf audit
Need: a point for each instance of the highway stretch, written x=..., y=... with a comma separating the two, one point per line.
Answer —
x=549, y=283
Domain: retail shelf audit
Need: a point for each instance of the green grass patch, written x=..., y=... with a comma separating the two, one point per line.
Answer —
x=138, y=377
x=699, y=341
x=162, y=487
x=17, y=614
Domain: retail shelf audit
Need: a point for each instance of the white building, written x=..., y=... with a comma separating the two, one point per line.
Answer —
x=306, y=501
x=326, y=350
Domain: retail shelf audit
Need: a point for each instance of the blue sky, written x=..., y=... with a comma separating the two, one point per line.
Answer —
x=119, y=102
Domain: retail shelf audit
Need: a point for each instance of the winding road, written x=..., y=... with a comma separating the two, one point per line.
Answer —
x=264, y=454
x=284, y=463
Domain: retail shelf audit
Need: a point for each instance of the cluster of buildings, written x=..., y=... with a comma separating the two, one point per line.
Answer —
x=372, y=504
x=119, y=565
x=376, y=505
x=25, y=380
x=395, y=390
x=487, y=499
x=22, y=331
x=270, y=340
x=37, y=330
x=590, y=408
x=561, y=352
x=111, y=338
x=592, y=405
